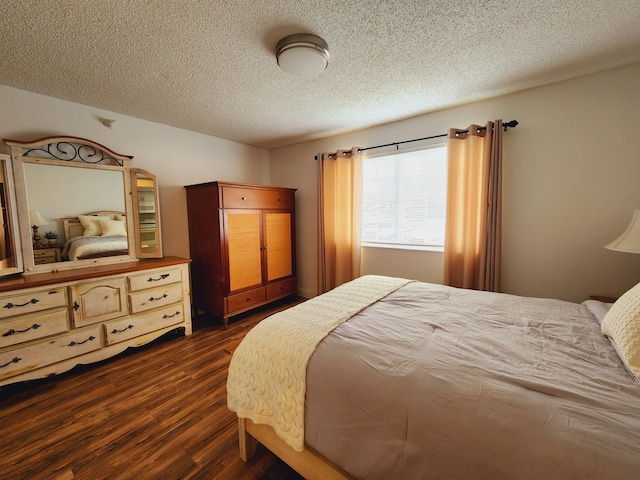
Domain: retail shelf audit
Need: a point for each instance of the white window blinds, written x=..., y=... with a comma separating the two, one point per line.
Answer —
x=404, y=199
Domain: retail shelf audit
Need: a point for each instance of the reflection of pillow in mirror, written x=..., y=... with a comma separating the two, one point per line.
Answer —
x=119, y=217
x=112, y=228
x=91, y=225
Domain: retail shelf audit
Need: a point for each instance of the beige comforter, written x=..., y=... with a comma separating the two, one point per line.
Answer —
x=434, y=382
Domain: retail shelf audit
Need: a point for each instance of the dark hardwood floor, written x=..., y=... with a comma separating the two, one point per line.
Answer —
x=155, y=412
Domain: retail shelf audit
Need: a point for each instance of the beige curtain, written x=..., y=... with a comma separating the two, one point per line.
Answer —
x=339, y=205
x=473, y=237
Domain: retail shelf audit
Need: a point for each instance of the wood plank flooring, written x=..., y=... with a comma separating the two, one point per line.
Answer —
x=155, y=412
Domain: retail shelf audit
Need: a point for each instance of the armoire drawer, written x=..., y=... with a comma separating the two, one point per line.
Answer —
x=154, y=279
x=238, y=197
x=155, y=297
x=245, y=299
x=31, y=327
x=126, y=328
x=19, y=304
x=285, y=287
x=47, y=352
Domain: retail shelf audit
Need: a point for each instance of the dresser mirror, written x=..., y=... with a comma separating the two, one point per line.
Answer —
x=10, y=246
x=77, y=206
x=146, y=214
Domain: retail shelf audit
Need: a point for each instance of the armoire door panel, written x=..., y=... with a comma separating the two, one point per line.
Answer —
x=278, y=245
x=244, y=249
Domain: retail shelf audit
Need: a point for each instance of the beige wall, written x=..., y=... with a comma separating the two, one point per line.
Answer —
x=178, y=157
x=571, y=182
x=571, y=177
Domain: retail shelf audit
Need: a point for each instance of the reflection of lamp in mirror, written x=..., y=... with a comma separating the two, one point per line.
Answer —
x=629, y=241
x=36, y=219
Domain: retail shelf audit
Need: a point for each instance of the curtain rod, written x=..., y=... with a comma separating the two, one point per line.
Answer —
x=511, y=124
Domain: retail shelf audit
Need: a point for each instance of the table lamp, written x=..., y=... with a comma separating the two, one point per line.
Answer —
x=36, y=219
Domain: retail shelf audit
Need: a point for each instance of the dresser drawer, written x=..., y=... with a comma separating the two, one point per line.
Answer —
x=238, y=197
x=46, y=352
x=31, y=327
x=126, y=328
x=154, y=279
x=285, y=287
x=245, y=299
x=19, y=304
x=155, y=297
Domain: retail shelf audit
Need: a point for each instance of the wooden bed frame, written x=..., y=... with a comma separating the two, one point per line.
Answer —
x=73, y=227
x=308, y=463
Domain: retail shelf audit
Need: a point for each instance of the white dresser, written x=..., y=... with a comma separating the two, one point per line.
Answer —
x=51, y=322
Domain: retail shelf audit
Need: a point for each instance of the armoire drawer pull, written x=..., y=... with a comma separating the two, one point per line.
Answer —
x=170, y=316
x=14, y=360
x=35, y=326
x=162, y=277
x=33, y=301
x=164, y=295
x=115, y=330
x=73, y=344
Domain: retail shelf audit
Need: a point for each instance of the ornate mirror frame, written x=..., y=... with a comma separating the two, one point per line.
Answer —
x=66, y=151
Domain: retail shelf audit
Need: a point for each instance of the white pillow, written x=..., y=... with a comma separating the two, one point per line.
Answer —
x=622, y=325
x=91, y=225
x=122, y=218
x=112, y=228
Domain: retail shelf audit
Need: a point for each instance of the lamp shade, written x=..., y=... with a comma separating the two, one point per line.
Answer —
x=302, y=54
x=629, y=241
x=36, y=218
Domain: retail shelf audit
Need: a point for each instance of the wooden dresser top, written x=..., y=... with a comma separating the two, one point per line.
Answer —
x=18, y=282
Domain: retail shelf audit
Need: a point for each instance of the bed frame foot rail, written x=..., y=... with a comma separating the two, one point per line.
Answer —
x=307, y=463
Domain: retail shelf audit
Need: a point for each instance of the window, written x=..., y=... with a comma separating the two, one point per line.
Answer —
x=404, y=198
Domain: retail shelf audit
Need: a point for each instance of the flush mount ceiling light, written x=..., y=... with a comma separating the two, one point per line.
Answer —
x=302, y=54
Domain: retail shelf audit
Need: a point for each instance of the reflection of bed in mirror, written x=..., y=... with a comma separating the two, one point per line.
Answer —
x=95, y=235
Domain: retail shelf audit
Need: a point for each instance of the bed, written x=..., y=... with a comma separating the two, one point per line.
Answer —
x=95, y=235
x=388, y=378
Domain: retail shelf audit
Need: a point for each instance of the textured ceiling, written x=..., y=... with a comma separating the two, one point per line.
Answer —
x=209, y=66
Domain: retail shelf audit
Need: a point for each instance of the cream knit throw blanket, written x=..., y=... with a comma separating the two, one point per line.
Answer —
x=268, y=371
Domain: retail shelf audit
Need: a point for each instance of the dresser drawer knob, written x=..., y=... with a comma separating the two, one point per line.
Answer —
x=171, y=316
x=73, y=344
x=11, y=331
x=162, y=277
x=75, y=306
x=14, y=360
x=33, y=301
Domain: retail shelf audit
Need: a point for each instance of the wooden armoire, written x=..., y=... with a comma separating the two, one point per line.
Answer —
x=242, y=243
